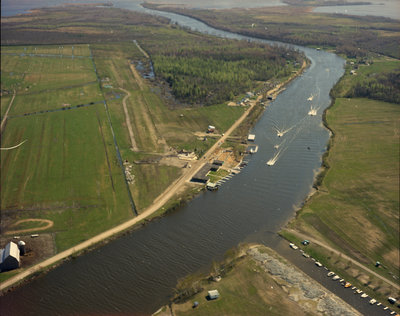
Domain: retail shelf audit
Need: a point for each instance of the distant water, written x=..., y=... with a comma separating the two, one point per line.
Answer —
x=385, y=8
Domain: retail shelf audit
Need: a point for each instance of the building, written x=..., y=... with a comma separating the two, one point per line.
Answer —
x=251, y=137
x=201, y=175
x=213, y=294
x=9, y=257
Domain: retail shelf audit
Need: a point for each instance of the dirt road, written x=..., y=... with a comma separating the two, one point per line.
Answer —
x=317, y=242
x=128, y=120
x=3, y=121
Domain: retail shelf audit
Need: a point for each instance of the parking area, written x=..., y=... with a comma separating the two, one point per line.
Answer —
x=332, y=281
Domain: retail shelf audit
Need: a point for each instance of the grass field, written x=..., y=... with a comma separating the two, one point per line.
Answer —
x=356, y=208
x=30, y=74
x=66, y=171
x=61, y=173
x=67, y=50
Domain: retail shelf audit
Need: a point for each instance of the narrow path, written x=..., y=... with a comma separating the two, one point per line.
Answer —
x=13, y=147
x=128, y=120
x=141, y=49
x=322, y=244
x=5, y=114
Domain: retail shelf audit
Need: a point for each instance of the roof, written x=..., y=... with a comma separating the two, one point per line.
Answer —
x=251, y=137
x=213, y=293
x=10, y=251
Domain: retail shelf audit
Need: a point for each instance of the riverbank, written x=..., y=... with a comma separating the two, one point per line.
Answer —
x=252, y=280
x=168, y=196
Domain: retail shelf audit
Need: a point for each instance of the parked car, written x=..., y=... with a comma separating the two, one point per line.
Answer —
x=347, y=285
x=319, y=264
x=364, y=295
x=330, y=273
x=306, y=255
x=373, y=301
x=336, y=277
x=292, y=245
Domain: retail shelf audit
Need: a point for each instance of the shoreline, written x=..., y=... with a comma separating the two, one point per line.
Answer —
x=141, y=219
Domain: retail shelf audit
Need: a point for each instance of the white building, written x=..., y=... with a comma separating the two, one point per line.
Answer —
x=9, y=257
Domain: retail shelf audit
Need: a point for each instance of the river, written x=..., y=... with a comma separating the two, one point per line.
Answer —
x=136, y=274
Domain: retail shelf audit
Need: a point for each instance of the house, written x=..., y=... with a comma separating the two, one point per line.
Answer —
x=213, y=294
x=9, y=257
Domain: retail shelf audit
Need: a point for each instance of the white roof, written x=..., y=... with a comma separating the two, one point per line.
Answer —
x=251, y=137
x=213, y=293
x=11, y=249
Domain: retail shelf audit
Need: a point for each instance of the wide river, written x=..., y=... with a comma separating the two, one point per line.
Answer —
x=136, y=274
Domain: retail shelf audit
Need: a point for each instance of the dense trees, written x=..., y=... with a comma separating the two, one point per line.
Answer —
x=217, y=73
x=383, y=86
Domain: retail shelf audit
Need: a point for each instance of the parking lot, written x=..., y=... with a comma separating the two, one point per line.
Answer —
x=334, y=283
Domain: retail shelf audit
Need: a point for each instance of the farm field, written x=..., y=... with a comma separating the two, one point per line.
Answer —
x=66, y=170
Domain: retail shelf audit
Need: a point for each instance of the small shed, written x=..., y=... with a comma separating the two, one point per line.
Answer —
x=213, y=294
x=251, y=137
x=218, y=162
x=9, y=257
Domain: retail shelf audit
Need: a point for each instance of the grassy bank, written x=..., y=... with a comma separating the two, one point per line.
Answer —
x=356, y=206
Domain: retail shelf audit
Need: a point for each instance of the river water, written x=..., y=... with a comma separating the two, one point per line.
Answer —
x=136, y=274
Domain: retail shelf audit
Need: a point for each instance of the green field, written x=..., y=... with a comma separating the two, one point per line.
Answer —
x=356, y=208
x=66, y=50
x=61, y=173
x=66, y=170
x=29, y=74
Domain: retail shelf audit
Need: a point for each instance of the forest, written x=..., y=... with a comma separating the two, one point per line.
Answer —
x=218, y=73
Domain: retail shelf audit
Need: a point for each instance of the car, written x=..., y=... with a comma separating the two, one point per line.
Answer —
x=358, y=291
x=336, y=277
x=347, y=285
x=293, y=246
x=354, y=288
x=319, y=264
x=392, y=313
x=341, y=281
x=385, y=308
x=305, y=242
x=378, y=304
x=364, y=295
x=373, y=301
x=306, y=255
x=330, y=273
